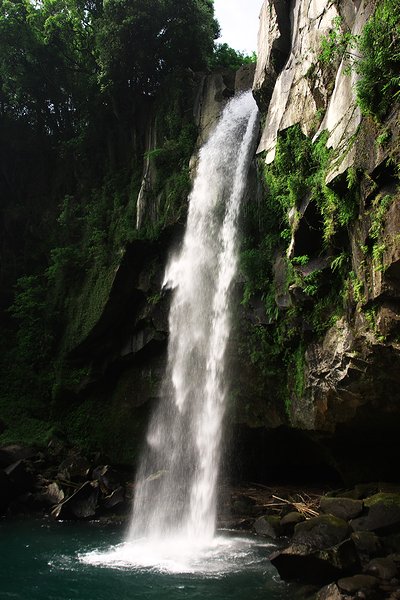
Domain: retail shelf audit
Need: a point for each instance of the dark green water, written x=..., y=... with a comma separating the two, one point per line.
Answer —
x=53, y=561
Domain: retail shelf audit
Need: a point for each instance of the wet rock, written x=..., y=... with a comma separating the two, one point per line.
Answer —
x=353, y=584
x=366, y=542
x=289, y=521
x=383, y=514
x=116, y=498
x=384, y=568
x=343, y=508
x=329, y=592
x=109, y=479
x=52, y=494
x=321, y=532
x=268, y=525
x=81, y=504
x=299, y=563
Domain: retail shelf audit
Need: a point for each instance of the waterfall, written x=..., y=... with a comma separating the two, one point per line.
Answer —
x=175, y=492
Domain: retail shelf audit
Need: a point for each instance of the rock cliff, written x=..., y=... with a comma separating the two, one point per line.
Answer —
x=339, y=368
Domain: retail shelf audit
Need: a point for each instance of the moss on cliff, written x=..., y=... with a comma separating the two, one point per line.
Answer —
x=295, y=258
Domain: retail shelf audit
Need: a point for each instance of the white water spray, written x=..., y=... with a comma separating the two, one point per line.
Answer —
x=177, y=479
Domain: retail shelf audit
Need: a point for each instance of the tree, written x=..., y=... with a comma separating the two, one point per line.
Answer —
x=140, y=41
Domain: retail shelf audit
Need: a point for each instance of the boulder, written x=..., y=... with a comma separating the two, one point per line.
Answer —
x=289, y=521
x=384, y=568
x=343, y=508
x=329, y=592
x=352, y=585
x=383, y=514
x=81, y=504
x=321, y=532
x=108, y=478
x=300, y=563
x=116, y=498
x=366, y=542
x=268, y=525
x=52, y=494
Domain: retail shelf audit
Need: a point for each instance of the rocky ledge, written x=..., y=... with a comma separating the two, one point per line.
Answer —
x=340, y=545
x=62, y=483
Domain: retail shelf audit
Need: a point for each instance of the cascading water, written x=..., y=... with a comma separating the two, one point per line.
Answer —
x=174, y=512
x=176, y=483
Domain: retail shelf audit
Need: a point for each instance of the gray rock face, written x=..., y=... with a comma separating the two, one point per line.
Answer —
x=273, y=47
x=296, y=97
x=244, y=78
x=303, y=89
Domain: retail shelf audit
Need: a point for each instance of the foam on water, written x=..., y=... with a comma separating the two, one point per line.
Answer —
x=222, y=555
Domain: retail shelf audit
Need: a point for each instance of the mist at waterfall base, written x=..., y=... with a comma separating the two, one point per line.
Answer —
x=172, y=549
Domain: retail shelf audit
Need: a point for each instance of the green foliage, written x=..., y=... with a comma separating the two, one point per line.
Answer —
x=299, y=169
x=139, y=42
x=383, y=137
x=79, y=80
x=312, y=300
x=311, y=283
x=380, y=206
x=35, y=335
x=337, y=43
x=340, y=262
x=374, y=55
x=357, y=288
x=379, y=66
x=298, y=359
x=300, y=260
x=225, y=57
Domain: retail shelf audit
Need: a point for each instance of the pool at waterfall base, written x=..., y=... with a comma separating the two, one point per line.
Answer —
x=90, y=561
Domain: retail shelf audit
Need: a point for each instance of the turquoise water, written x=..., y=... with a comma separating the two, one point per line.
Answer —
x=63, y=561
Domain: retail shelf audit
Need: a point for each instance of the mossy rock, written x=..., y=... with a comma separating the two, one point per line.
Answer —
x=383, y=514
x=344, y=508
x=321, y=532
x=300, y=563
x=387, y=499
x=269, y=525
